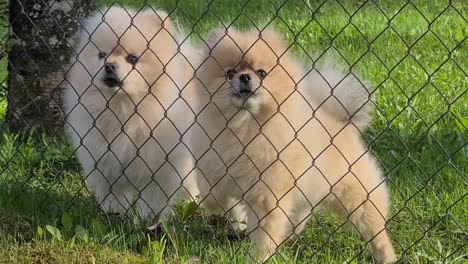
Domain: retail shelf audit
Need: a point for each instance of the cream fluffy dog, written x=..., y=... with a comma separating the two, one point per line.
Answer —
x=125, y=113
x=265, y=148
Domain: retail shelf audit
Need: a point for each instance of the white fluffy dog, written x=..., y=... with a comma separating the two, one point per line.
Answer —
x=125, y=110
x=268, y=142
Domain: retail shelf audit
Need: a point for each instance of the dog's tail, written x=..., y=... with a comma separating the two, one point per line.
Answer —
x=343, y=95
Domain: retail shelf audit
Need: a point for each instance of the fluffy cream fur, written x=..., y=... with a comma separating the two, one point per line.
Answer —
x=128, y=136
x=273, y=154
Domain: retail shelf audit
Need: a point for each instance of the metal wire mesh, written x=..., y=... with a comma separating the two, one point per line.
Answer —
x=144, y=119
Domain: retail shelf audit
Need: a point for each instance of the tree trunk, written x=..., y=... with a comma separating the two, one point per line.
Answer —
x=43, y=32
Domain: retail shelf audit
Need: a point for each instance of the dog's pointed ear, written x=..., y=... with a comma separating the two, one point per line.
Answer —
x=159, y=17
x=274, y=39
x=215, y=35
x=165, y=21
x=271, y=32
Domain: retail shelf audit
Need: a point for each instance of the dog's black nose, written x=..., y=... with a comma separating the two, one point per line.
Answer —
x=244, y=78
x=110, y=67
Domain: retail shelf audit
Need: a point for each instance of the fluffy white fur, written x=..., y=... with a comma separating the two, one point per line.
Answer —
x=128, y=136
x=344, y=96
x=274, y=155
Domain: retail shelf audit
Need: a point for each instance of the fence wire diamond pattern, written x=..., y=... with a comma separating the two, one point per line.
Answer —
x=214, y=131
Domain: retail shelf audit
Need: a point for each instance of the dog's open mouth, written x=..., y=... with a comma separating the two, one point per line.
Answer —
x=244, y=96
x=246, y=93
x=111, y=81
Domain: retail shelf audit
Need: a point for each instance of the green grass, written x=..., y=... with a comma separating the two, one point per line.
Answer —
x=3, y=75
x=419, y=133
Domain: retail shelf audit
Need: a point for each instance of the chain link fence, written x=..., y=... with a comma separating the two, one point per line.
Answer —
x=213, y=131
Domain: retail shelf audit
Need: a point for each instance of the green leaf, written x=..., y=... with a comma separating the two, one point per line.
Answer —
x=71, y=242
x=67, y=222
x=189, y=210
x=460, y=121
x=55, y=232
x=40, y=232
x=81, y=233
x=463, y=124
x=97, y=226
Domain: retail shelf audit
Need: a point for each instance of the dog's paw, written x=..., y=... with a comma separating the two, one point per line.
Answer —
x=239, y=227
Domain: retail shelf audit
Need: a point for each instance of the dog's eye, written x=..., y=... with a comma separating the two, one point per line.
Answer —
x=102, y=55
x=132, y=59
x=230, y=73
x=261, y=73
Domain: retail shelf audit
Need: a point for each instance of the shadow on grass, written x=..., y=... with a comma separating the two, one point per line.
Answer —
x=24, y=207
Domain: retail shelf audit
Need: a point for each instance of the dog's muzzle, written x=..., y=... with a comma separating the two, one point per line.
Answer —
x=110, y=78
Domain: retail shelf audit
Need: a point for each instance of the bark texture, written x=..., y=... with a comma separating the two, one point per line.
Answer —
x=43, y=35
